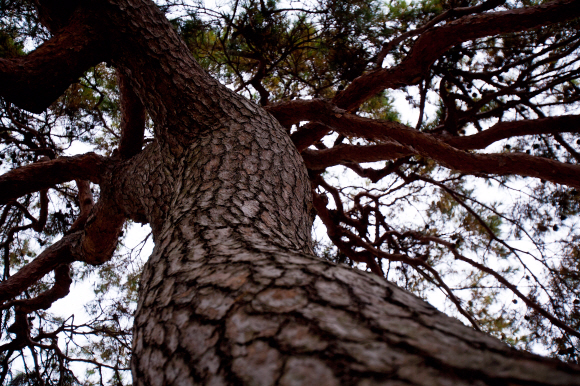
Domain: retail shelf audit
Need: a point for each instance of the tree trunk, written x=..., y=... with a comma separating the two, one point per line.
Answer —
x=221, y=304
x=232, y=293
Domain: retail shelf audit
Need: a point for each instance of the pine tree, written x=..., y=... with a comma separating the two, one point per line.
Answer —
x=226, y=130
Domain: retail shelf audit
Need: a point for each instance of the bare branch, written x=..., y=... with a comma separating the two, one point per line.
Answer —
x=567, y=146
x=42, y=175
x=530, y=303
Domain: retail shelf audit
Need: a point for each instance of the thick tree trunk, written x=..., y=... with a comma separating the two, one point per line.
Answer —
x=229, y=297
x=232, y=294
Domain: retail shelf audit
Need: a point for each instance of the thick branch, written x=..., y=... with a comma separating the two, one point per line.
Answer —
x=433, y=43
x=61, y=252
x=54, y=14
x=418, y=143
x=25, y=82
x=34, y=177
x=504, y=130
x=462, y=161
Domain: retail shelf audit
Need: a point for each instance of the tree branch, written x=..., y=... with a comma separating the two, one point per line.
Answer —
x=34, y=177
x=102, y=231
x=86, y=204
x=419, y=143
x=59, y=290
x=530, y=303
x=453, y=12
x=93, y=245
x=24, y=80
x=433, y=43
x=570, y=149
x=61, y=252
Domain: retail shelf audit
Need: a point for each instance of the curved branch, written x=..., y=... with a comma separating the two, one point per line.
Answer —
x=24, y=80
x=433, y=43
x=34, y=177
x=59, y=290
x=461, y=161
x=94, y=245
x=504, y=130
x=39, y=224
x=61, y=252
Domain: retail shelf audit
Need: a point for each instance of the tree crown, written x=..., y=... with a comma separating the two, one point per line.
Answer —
x=441, y=141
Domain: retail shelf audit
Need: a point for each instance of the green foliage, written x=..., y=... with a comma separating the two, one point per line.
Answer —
x=8, y=47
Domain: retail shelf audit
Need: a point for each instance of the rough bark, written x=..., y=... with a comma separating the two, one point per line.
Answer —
x=220, y=313
x=228, y=295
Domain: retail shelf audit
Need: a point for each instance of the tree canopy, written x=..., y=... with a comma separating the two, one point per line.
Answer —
x=441, y=139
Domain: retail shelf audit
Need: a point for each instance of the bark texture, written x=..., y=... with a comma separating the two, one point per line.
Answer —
x=228, y=297
x=223, y=312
